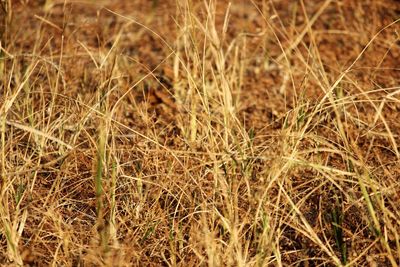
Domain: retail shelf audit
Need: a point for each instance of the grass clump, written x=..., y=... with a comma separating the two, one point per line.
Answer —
x=184, y=133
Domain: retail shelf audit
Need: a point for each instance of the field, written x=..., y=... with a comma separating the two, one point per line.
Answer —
x=200, y=133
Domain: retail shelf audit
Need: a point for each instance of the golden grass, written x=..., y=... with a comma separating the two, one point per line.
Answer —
x=191, y=133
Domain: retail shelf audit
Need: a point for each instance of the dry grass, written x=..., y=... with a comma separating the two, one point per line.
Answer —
x=191, y=133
